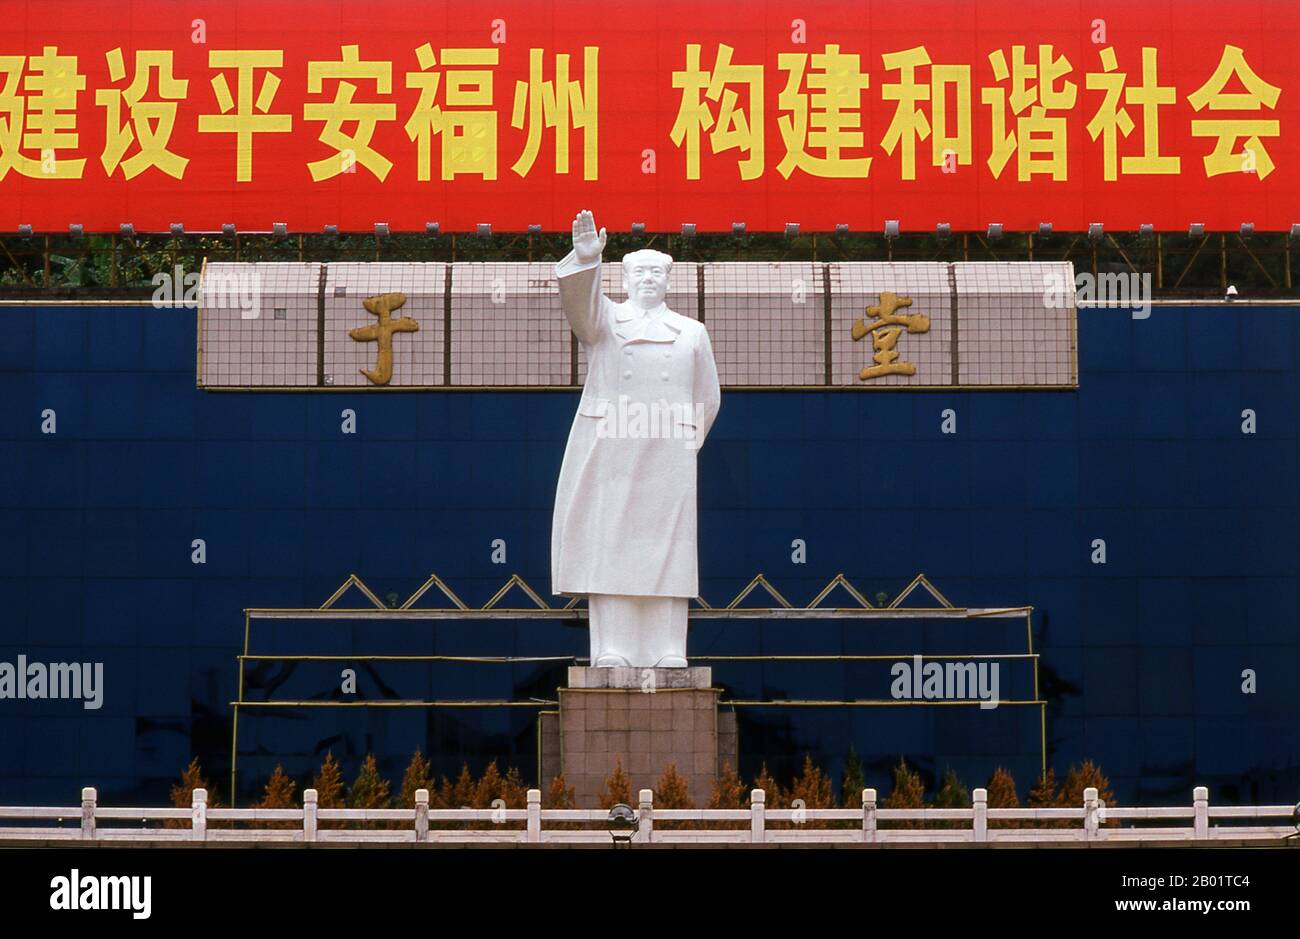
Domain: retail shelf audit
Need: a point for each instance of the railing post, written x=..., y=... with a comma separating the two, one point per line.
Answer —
x=758, y=816
x=422, y=815
x=199, y=815
x=1201, y=808
x=869, y=815
x=309, y=797
x=88, y=799
x=980, y=803
x=645, y=832
x=534, y=816
x=1090, y=813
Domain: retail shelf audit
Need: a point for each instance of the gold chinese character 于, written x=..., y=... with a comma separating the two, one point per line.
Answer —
x=382, y=332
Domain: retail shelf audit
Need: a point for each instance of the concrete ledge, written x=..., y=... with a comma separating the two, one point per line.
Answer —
x=639, y=679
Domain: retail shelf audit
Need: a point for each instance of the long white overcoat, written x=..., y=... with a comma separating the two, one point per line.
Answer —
x=625, y=505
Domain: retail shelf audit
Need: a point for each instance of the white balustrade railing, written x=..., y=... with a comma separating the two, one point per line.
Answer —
x=1091, y=822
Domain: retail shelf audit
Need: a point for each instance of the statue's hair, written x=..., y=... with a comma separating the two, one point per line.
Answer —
x=633, y=256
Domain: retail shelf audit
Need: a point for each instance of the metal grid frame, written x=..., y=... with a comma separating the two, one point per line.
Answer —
x=856, y=286
x=258, y=324
x=1009, y=333
x=347, y=284
x=507, y=328
x=774, y=325
x=452, y=607
x=766, y=322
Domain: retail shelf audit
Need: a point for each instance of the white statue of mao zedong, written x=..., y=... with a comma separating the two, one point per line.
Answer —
x=624, y=531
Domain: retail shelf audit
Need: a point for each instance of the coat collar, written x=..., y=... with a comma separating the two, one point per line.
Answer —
x=658, y=325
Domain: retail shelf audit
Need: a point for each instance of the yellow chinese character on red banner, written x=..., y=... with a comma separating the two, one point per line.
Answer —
x=1258, y=94
x=1038, y=140
x=146, y=123
x=42, y=118
x=354, y=148
x=949, y=146
x=1110, y=117
x=559, y=104
x=826, y=118
x=888, y=326
x=469, y=137
x=239, y=111
x=737, y=125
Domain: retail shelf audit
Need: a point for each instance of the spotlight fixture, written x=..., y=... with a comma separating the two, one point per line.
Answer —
x=623, y=824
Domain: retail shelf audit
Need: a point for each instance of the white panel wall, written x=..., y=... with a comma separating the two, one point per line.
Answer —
x=767, y=320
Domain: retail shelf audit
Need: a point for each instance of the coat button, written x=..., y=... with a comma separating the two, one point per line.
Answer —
x=668, y=355
x=627, y=351
x=627, y=374
x=664, y=376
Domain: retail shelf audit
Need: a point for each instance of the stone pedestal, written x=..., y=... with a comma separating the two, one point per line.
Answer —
x=642, y=718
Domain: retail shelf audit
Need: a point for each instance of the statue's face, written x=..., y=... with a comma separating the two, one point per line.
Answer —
x=646, y=282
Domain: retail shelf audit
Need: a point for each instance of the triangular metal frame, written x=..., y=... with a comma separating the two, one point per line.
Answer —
x=516, y=581
x=920, y=580
x=758, y=581
x=434, y=581
x=353, y=581
x=839, y=580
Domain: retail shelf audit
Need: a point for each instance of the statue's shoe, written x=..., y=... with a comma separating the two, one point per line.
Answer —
x=671, y=661
x=610, y=661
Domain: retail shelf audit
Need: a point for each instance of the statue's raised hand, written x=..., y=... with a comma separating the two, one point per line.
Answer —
x=587, y=243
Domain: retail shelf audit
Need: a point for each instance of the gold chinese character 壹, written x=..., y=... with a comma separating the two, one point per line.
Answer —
x=382, y=332
x=888, y=326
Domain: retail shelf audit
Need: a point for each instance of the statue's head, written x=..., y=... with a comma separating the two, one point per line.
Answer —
x=645, y=277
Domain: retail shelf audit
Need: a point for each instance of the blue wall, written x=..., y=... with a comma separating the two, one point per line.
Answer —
x=1142, y=657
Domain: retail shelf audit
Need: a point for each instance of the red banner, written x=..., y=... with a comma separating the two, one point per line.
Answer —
x=763, y=112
